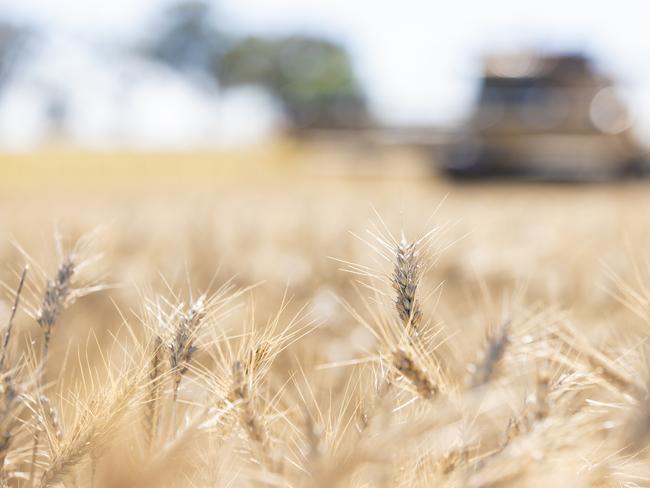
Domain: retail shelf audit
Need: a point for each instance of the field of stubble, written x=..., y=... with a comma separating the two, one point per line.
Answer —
x=312, y=329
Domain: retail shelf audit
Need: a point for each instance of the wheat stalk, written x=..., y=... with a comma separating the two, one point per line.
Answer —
x=405, y=280
x=151, y=416
x=407, y=367
x=92, y=430
x=494, y=351
x=182, y=347
x=55, y=298
x=14, y=308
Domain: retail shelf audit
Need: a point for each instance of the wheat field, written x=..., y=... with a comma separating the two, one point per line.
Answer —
x=207, y=323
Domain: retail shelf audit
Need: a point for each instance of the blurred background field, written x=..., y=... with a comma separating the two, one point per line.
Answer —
x=276, y=159
x=278, y=213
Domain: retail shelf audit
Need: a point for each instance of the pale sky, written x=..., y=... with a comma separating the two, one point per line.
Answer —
x=417, y=58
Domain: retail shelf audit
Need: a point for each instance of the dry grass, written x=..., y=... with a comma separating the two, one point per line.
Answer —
x=304, y=333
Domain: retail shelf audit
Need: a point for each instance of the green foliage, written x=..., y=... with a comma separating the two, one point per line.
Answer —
x=312, y=78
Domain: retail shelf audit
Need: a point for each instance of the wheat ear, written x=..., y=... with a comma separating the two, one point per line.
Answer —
x=151, y=416
x=182, y=346
x=405, y=280
x=57, y=293
x=408, y=368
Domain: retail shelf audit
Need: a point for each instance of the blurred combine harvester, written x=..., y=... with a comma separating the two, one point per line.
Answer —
x=547, y=118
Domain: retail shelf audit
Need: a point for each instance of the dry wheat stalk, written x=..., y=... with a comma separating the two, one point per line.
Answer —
x=9, y=415
x=606, y=367
x=554, y=425
x=251, y=419
x=241, y=394
x=452, y=459
x=93, y=429
x=407, y=367
x=151, y=415
x=182, y=347
x=9, y=419
x=51, y=418
x=55, y=298
x=57, y=295
x=405, y=279
x=14, y=308
x=46, y=421
x=494, y=351
x=408, y=267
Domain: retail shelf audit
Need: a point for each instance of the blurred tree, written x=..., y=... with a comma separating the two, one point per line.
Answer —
x=13, y=41
x=312, y=78
x=187, y=39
